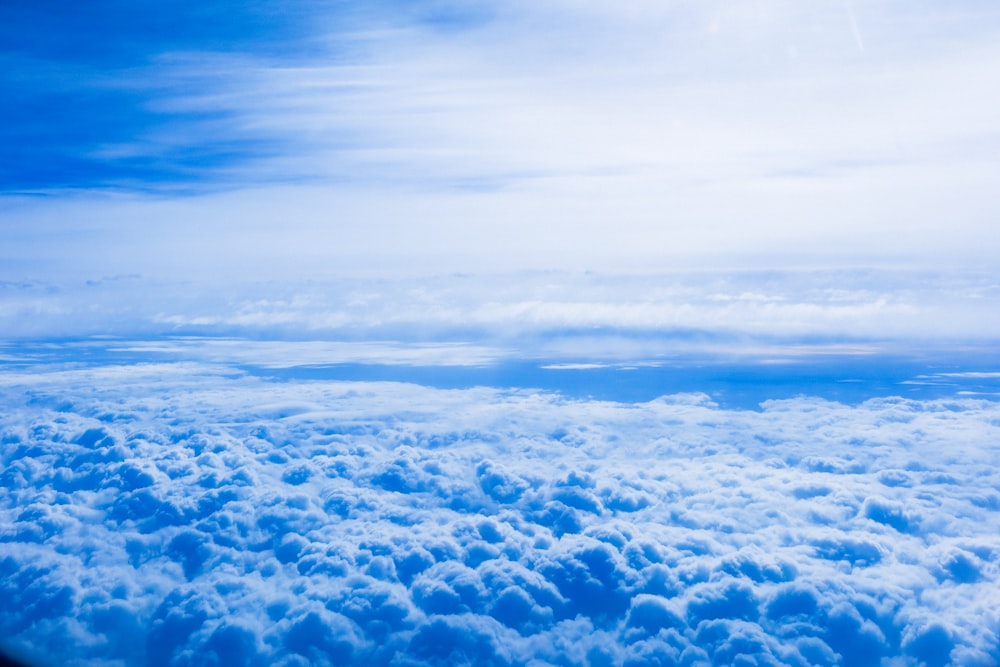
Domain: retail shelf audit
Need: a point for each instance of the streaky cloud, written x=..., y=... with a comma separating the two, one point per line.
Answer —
x=692, y=135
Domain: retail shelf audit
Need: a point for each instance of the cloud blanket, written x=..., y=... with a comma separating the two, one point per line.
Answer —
x=187, y=514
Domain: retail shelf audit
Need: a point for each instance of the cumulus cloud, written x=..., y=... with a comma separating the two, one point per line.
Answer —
x=171, y=515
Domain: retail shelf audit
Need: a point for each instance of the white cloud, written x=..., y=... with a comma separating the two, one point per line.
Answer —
x=595, y=316
x=278, y=354
x=208, y=512
x=683, y=135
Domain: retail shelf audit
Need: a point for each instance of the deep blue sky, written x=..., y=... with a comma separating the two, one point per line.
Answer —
x=84, y=77
x=88, y=78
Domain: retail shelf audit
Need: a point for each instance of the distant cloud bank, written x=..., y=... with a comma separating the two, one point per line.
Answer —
x=737, y=311
x=186, y=514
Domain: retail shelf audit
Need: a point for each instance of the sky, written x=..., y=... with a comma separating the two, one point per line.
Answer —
x=331, y=167
x=476, y=333
x=268, y=140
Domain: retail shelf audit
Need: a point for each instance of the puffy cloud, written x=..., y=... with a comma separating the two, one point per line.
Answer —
x=190, y=514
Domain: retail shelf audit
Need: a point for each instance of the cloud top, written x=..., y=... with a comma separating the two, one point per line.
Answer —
x=389, y=523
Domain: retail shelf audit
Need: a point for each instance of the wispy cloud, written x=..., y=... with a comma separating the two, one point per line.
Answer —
x=274, y=354
x=699, y=96
x=518, y=136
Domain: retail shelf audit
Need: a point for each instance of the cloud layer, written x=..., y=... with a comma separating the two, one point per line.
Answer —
x=525, y=310
x=187, y=514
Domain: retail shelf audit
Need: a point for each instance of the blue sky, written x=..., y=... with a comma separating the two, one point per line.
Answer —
x=279, y=140
x=323, y=168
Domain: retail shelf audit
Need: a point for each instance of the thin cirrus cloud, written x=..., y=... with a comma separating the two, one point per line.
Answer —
x=437, y=138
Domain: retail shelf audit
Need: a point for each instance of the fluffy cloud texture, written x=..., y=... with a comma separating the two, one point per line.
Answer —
x=186, y=514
